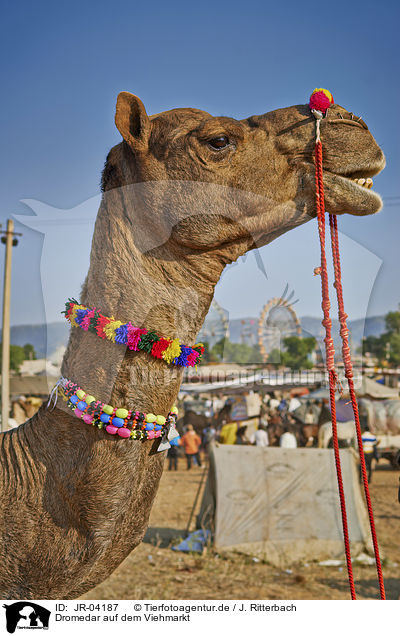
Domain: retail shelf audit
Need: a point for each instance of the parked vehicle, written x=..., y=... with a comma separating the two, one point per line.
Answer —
x=388, y=447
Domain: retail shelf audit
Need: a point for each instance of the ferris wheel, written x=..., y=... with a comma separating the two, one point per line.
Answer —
x=277, y=320
x=215, y=326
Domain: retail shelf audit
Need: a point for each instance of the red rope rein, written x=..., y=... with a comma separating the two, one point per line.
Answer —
x=330, y=364
x=348, y=366
x=330, y=355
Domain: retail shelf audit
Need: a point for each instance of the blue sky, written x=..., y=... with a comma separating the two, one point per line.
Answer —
x=64, y=64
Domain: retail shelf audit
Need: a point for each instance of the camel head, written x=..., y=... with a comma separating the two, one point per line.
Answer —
x=240, y=183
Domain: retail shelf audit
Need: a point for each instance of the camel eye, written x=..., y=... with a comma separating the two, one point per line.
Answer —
x=218, y=143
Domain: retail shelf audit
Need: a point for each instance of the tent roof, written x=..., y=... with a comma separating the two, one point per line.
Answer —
x=373, y=389
x=257, y=381
x=368, y=388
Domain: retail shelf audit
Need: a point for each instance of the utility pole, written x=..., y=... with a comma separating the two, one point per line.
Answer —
x=8, y=237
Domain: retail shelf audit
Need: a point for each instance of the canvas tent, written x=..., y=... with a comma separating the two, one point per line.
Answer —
x=375, y=390
x=282, y=505
x=366, y=388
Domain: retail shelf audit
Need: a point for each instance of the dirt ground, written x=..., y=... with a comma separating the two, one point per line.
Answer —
x=155, y=571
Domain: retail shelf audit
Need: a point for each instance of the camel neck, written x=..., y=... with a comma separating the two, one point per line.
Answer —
x=159, y=290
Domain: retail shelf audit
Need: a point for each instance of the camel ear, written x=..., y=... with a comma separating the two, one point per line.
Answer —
x=132, y=121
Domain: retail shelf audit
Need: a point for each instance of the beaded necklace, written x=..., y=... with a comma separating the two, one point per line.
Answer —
x=116, y=421
x=135, y=338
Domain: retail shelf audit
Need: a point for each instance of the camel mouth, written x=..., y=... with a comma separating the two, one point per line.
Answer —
x=352, y=193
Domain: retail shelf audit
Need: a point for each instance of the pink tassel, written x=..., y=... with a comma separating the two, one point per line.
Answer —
x=192, y=358
x=134, y=335
x=86, y=321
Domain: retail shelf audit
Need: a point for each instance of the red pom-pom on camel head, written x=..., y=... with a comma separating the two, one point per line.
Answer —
x=321, y=99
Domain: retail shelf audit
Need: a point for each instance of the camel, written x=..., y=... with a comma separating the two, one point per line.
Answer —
x=184, y=194
x=346, y=435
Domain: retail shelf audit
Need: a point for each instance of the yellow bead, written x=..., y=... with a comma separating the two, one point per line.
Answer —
x=150, y=417
x=89, y=399
x=81, y=394
x=160, y=419
x=174, y=410
x=122, y=413
x=107, y=409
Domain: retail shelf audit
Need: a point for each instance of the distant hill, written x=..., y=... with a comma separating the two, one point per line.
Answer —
x=372, y=326
x=311, y=326
x=56, y=334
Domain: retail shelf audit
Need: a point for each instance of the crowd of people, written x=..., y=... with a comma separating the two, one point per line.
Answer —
x=273, y=425
x=281, y=420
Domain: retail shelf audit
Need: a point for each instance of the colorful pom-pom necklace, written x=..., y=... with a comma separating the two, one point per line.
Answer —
x=135, y=338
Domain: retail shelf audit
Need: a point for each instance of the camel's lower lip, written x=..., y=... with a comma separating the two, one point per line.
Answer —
x=365, y=187
x=346, y=194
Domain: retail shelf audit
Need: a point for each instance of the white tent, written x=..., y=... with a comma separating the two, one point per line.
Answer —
x=364, y=388
x=282, y=505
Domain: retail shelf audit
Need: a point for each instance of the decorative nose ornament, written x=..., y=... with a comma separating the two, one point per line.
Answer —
x=321, y=99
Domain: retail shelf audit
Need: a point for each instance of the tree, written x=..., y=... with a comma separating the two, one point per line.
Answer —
x=218, y=349
x=375, y=346
x=274, y=357
x=386, y=347
x=29, y=352
x=393, y=349
x=227, y=351
x=297, y=352
x=208, y=355
x=19, y=354
x=392, y=321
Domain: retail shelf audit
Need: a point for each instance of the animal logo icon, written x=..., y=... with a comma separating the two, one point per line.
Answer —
x=26, y=615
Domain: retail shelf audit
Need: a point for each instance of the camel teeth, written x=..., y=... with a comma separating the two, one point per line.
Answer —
x=366, y=183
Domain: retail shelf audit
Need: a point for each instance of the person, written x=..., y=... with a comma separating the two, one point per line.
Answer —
x=363, y=414
x=260, y=437
x=173, y=454
x=325, y=413
x=287, y=439
x=241, y=436
x=191, y=443
x=218, y=403
x=273, y=404
x=228, y=433
x=282, y=408
x=208, y=435
x=309, y=416
x=369, y=442
x=294, y=404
